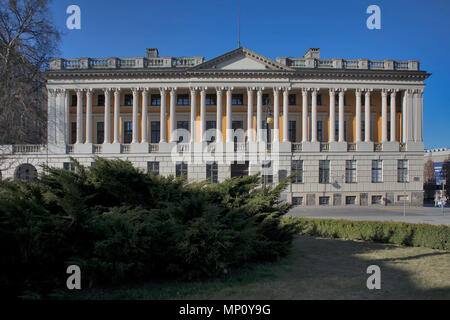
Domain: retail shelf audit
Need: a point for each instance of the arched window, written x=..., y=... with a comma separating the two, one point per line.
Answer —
x=26, y=172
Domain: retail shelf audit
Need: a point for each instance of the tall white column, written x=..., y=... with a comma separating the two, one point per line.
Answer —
x=173, y=115
x=420, y=116
x=404, y=123
x=163, y=116
x=384, y=116
x=107, y=120
x=341, y=116
x=203, y=114
x=367, y=117
x=67, y=113
x=259, y=102
x=229, y=124
x=219, y=135
x=80, y=98
x=314, y=116
x=304, y=115
x=332, y=129
x=250, y=114
x=194, y=116
x=393, y=117
x=276, y=115
x=117, y=115
x=144, y=124
x=135, y=116
x=358, y=115
x=286, y=115
x=89, y=116
x=409, y=116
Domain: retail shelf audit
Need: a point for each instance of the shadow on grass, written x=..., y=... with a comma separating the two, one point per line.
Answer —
x=316, y=269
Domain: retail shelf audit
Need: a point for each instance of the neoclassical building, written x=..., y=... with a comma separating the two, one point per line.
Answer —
x=351, y=129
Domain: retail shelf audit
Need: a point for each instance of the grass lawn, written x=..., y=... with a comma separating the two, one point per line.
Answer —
x=316, y=269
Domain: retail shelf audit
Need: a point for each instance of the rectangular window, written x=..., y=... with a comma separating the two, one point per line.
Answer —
x=324, y=171
x=292, y=131
x=155, y=134
x=183, y=100
x=319, y=99
x=68, y=166
x=155, y=100
x=237, y=99
x=324, y=201
x=100, y=132
x=292, y=99
x=350, y=171
x=210, y=129
x=297, y=201
x=153, y=167
x=350, y=200
x=389, y=130
x=211, y=99
x=320, y=131
x=377, y=171
x=127, y=132
x=336, y=128
x=182, y=125
x=73, y=133
x=101, y=100
x=266, y=99
x=402, y=170
x=267, y=176
x=212, y=172
x=181, y=170
x=128, y=100
x=210, y=125
x=297, y=168
x=74, y=100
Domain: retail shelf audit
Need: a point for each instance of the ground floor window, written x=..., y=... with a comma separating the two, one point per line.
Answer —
x=324, y=171
x=153, y=167
x=68, y=166
x=297, y=168
x=402, y=171
x=212, y=172
x=350, y=171
x=377, y=171
x=181, y=170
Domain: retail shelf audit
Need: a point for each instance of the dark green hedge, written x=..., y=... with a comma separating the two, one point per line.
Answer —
x=408, y=234
x=121, y=225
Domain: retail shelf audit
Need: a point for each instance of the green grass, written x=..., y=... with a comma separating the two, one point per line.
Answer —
x=316, y=269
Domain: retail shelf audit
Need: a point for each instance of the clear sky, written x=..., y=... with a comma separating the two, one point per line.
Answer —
x=410, y=30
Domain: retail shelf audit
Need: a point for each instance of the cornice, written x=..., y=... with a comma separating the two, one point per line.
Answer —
x=189, y=73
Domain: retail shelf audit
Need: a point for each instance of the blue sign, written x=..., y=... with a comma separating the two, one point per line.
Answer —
x=437, y=171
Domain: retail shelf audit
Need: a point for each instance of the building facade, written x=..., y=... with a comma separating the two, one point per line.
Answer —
x=350, y=130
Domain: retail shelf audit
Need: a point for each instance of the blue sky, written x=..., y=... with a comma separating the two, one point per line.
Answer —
x=410, y=30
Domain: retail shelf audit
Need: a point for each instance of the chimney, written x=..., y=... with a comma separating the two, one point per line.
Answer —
x=313, y=53
x=152, y=53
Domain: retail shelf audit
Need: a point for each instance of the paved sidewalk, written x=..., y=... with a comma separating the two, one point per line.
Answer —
x=428, y=215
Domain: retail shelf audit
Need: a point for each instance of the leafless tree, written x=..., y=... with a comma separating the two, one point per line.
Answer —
x=28, y=39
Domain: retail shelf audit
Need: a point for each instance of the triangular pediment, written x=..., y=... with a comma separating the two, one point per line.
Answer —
x=241, y=59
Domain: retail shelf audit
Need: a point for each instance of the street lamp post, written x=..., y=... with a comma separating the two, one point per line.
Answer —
x=269, y=120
